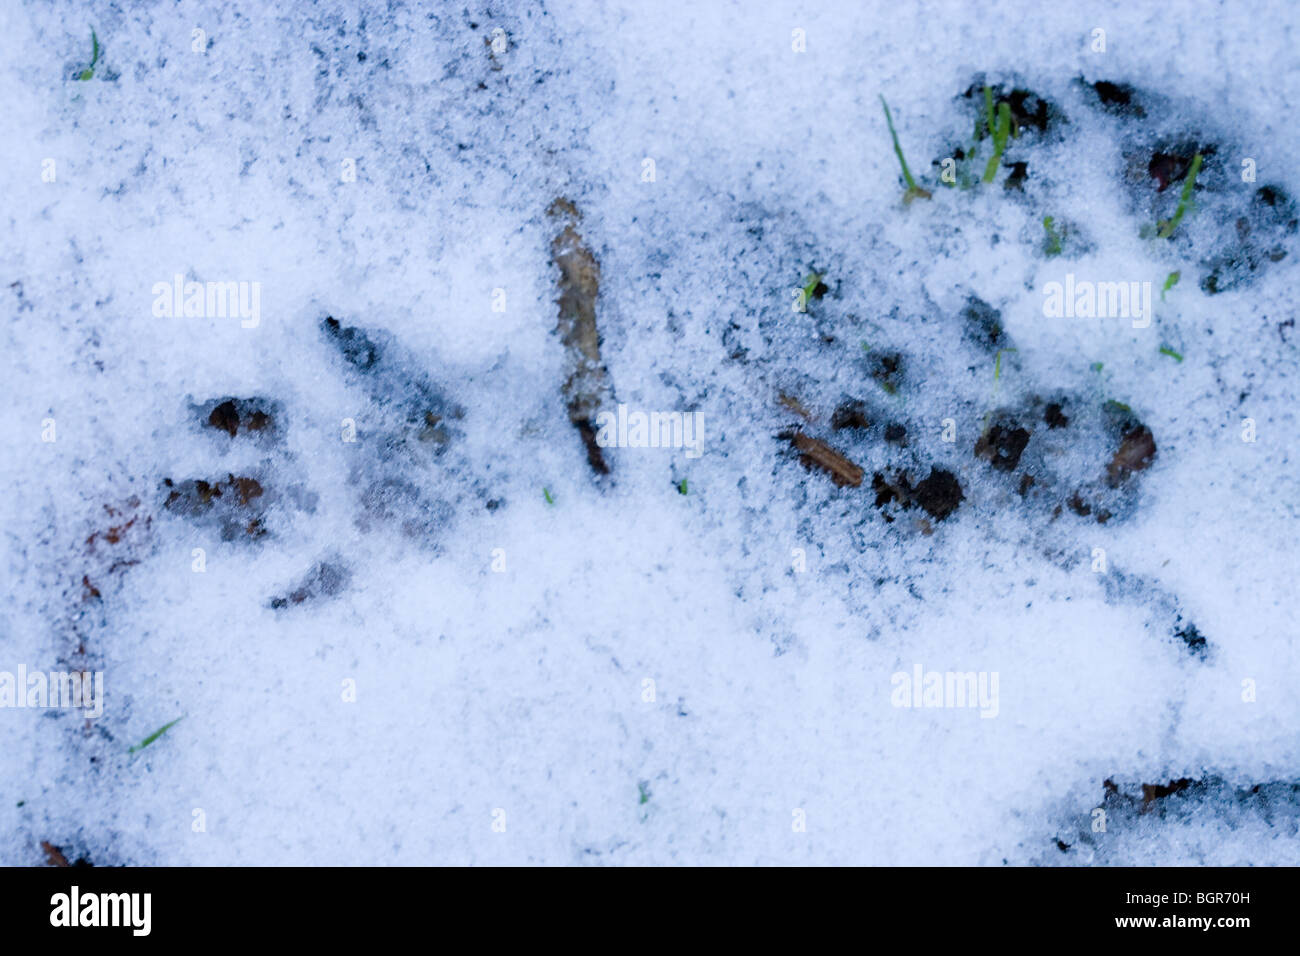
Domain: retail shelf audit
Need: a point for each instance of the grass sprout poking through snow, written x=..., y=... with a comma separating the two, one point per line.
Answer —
x=810, y=285
x=1053, y=237
x=89, y=72
x=155, y=735
x=1166, y=350
x=546, y=493
x=913, y=190
x=681, y=487
x=1184, y=201
x=997, y=385
x=1171, y=280
x=1000, y=134
x=997, y=363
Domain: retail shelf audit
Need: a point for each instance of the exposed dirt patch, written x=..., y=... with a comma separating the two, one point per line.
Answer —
x=1192, y=638
x=1118, y=98
x=1029, y=111
x=1002, y=444
x=850, y=415
x=983, y=325
x=425, y=414
x=353, y=344
x=1261, y=235
x=938, y=494
x=886, y=368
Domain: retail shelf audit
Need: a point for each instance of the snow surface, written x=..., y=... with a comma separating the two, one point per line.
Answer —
x=522, y=691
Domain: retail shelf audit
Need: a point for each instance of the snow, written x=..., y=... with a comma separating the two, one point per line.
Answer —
x=502, y=716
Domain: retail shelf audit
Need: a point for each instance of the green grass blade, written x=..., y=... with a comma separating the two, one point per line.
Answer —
x=810, y=286
x=1171, y=280
x=1184, y=201
x=1053, y=238
x=997, y=363
x=913, y=190
x=89, y=72
x=999, y=141
x=155, y=735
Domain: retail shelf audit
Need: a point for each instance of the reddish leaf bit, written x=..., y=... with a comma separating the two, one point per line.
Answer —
x=1167, y=168
x=118, y=532
x=108, y=550
x=53, y=854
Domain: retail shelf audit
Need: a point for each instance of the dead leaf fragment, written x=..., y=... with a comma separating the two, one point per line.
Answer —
x=587, y=383
x=53, y=855
x=1136, y=452
x=794, y=405
x=815, y=452
x=1151, y=792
